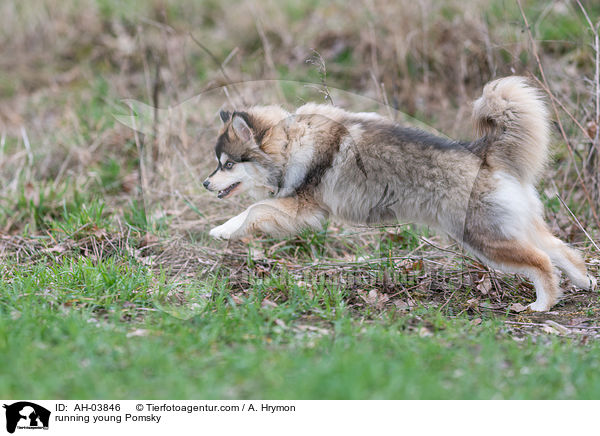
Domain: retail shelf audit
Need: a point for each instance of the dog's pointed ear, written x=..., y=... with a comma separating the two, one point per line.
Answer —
x=225, y=116
x=241, y=128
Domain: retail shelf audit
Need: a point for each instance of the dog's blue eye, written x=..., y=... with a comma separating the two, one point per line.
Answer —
x=228, y=165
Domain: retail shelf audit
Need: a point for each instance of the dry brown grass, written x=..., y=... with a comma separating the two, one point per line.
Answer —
x=66, y=65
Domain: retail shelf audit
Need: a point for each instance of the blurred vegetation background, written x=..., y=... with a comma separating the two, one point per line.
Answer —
x=66, y=64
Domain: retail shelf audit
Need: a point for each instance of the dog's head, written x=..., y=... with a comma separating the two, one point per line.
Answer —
x=249, y=152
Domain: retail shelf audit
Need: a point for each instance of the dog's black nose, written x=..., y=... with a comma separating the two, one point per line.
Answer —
x=206, y=183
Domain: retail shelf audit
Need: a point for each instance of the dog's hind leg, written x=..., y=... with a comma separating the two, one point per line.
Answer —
x=281, y=216
x=525, y=258
x=563, y=256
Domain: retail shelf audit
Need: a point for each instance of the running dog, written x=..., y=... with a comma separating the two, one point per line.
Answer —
x=323, y=161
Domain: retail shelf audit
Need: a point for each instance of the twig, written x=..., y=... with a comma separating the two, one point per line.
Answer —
x=596, y=139
x=448, y=300
x=317, y=60
x=142, y=176
x=576, y=220
x=562, y=130
x=537, y=324
x=268, y=53
x=461, y=255
x=597, y=73
x=27, y=145
x=220, y=66
x=155, y=102
x=562, y=106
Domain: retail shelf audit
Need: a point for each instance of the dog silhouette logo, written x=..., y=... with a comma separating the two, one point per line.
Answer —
x=26, y=415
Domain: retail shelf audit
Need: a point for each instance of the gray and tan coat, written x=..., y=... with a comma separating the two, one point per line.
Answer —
x=362, y=168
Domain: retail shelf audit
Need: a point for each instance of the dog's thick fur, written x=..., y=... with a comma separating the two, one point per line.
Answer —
x=366, y=169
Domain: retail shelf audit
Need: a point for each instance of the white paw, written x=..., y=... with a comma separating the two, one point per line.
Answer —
x=593, y=283
x=539, y=306
x=221, y=232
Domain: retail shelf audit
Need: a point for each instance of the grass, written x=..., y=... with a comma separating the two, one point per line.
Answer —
x=84, y=330
x=110, y=286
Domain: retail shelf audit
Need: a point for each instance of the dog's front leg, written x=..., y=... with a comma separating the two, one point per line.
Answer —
x=231, y=226
x=277, y=217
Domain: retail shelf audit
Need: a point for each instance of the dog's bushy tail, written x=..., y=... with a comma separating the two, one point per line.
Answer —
x=513, y=116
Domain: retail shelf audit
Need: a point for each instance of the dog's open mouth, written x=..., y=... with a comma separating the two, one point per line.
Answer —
x=225, y=192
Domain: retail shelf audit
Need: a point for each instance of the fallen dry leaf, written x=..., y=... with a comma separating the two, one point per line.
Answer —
x=59, y=248
x=375, y=298
x=591, y=129
x=484, y=285
x=99, y=233
x=312, y=328
x=148, y=239
x=425, y=332
x=473, y=302
x=137, y=332
x=268, y=303
x=371, y=297
x=558, y=327
x=517, y=307
x=548, y=329
x=236, y=299
x=257, y=254
x=402, y=305
x=280, y=323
